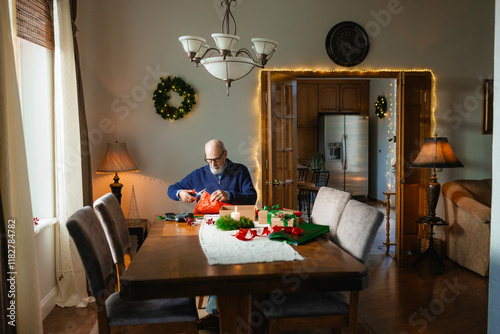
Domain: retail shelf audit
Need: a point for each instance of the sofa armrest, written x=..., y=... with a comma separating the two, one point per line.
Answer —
x=467, y=203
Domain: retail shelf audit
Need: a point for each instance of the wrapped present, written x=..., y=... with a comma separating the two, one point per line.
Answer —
x=275, y=216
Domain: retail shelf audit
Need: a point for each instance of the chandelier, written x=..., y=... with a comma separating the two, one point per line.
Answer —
x=223, y=62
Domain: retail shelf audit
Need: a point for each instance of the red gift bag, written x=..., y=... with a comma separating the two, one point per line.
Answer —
x=205, y=205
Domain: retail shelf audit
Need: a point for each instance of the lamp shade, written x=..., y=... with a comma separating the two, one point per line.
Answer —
x=436, y=153
x=264, y=46
x=192, y=43
x=117, y=160
x=230, y=69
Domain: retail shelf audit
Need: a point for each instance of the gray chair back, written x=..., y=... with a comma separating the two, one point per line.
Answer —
x=328, y=208
x=357, y=229
x=113, y=223
x=90, y=241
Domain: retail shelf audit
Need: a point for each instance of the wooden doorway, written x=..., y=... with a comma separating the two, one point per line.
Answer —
x=279, y=144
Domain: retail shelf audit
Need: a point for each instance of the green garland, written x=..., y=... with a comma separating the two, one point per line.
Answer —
x=226, y=223
x=161, y=97
x=381, y=106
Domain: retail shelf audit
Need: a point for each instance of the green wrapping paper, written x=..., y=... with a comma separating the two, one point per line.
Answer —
x=310, y=231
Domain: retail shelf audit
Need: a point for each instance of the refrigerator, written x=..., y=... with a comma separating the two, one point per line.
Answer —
x=343, y=141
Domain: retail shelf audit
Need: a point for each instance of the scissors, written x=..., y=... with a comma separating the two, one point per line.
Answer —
x=196, y=193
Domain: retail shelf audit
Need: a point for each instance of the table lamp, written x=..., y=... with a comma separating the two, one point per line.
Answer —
x=117, y=160
x=435, y=153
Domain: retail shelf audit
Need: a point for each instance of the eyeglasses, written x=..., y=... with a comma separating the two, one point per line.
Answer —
x=216, y=160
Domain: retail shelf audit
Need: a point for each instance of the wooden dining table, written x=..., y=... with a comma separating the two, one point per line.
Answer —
x=171, y=263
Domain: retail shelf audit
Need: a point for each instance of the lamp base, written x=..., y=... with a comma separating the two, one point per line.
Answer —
x=116, y=188
x=433, y=191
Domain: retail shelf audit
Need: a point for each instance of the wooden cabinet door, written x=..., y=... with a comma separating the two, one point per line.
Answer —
x=307, y=121
x=329, y=101
x=279, y=139
x=413, y=126
x=344, y=97
x=307, y=144
x=307, y=105
x=350, y=98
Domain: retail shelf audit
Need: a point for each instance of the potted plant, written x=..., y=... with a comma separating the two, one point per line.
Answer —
x=317, y=161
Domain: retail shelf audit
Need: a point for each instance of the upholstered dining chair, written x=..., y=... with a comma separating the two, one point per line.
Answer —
x=355, y=233
x=319, y=179
x=113, y=223
x=114, y=314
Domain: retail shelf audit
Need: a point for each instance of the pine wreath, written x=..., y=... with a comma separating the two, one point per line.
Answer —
x=381, y=106
x=161, y=97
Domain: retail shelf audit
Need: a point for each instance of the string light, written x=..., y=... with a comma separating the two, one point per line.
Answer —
x=349, y=72
x=258, y=141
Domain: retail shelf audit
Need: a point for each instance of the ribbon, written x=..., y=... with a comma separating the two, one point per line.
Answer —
x=273, y=211
x=243, y=234
x=292, y=230
x=36, y=220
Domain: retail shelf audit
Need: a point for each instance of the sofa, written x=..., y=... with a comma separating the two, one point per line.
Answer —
x=467, y=206
x=353, y=224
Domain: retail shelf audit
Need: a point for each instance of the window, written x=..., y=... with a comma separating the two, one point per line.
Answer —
x=35, y=71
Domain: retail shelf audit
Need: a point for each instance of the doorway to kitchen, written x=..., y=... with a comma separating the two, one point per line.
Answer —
x=281, y=141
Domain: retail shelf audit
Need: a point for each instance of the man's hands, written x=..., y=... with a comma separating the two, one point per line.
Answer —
x=219, y=195
x=186, y=196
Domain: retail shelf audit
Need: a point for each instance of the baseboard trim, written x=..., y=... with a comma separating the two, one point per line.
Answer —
x=49, y=302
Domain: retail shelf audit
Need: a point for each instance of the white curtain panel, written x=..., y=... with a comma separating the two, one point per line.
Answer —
x=14, y=185
x=69, y=193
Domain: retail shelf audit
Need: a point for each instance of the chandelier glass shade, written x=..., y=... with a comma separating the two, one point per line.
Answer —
x=223, y=62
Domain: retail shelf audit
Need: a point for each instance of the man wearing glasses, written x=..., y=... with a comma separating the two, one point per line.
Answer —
x=225, y=180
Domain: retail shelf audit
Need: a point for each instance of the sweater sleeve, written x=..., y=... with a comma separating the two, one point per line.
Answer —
x=246, y=194
x=188, y=182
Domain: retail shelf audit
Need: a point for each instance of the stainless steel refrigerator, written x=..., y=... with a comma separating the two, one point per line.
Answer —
x=343, y=140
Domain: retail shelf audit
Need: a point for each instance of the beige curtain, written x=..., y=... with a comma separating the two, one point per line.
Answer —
x=69, y=192
x=14, y=185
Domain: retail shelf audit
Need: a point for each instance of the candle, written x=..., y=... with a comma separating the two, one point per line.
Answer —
x=235, y=215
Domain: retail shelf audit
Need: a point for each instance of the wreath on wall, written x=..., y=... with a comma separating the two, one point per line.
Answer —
x=161, y=97
x=381, y=106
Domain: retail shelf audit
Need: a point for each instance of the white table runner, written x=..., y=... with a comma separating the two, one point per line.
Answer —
x=221, y=247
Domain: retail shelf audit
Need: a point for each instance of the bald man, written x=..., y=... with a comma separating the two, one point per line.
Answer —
x=225, y=180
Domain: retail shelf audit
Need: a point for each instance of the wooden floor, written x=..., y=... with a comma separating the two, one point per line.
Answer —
x=398, y=300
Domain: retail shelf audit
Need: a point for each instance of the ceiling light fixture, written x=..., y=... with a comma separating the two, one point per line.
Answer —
x=227, y=65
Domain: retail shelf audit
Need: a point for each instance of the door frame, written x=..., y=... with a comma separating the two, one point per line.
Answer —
x=397, y=75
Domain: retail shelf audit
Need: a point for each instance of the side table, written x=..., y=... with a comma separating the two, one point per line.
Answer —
x=431, y=251
x=139, y=228
x=388, y=242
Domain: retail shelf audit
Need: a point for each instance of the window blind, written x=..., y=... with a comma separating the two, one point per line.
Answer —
x=34, y=22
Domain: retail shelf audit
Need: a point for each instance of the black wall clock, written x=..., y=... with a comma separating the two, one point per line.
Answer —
x=347, y=44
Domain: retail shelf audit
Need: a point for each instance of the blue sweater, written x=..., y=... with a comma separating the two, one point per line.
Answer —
x=235, y=180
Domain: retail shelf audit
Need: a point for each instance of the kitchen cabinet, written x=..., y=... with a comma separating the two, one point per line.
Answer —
x=345, y=97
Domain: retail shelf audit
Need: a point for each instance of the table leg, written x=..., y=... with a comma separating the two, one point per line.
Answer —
x=235, y=313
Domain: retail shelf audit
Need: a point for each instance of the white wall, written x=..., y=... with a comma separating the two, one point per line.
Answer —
x=123, y=43
x=382, y=152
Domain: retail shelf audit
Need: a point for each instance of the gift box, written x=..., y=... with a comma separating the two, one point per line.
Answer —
x=247, y=211
x=278, y=217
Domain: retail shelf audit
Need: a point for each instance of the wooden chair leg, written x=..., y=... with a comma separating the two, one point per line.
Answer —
x=353, y=312
x=200, y=302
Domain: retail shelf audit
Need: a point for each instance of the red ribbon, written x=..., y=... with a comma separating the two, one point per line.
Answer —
x=293, y=230
x=242, y=234
x=36, y=220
